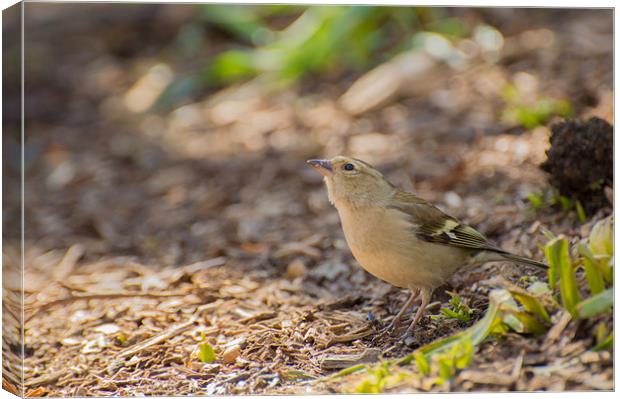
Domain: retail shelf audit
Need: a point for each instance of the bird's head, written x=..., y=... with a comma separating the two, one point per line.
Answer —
x=352, y=181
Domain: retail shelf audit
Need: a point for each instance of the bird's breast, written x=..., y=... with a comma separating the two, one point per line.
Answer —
x=384, y=242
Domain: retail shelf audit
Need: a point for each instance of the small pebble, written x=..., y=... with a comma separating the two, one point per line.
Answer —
x=231, y=354
x=409, y=340
x=452, y=199
x=295, y=269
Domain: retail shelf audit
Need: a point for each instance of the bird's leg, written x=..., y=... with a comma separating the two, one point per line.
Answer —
x=397, y=319
x=425, y=295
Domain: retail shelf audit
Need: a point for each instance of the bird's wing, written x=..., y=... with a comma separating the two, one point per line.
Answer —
x=433, y=225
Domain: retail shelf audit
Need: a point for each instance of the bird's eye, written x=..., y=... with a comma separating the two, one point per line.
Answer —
x=348, y=166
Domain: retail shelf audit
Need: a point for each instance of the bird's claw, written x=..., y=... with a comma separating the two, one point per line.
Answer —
x=386, y=331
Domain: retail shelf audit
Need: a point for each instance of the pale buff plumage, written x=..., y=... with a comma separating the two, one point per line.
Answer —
x=399, y=237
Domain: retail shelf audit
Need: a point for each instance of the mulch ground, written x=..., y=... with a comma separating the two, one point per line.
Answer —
x=148, y=234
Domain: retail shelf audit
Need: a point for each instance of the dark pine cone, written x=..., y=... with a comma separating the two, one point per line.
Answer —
x=580, y=161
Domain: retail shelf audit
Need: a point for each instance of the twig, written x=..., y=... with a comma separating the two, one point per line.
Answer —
x=45, y=379
x=204, y=264
x=369, y=355
x=68, y=262
x=237, y=377
x=557, y=329
x=516, y=370
x=358, y=334
x=259, y=317
x=164, y=335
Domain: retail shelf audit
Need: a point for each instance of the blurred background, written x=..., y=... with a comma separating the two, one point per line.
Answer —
x=171, y=134
x=163, y=130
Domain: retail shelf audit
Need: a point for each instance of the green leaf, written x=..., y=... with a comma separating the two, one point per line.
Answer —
x=532, y=304
x=563, y=108
x=293, y=374
x=561, y=267
x=547, y=233
x=529, y=324
x=539, y=288
x=445, y=368
x=565, y=202
x=343, y=372
x=568, y=282
x=596, y=305
x=477, y=333
x=231, y=66
x=463, y=353
x=552, y=255
x=206, y=354
x=593, y=273
x=606, y=344
x=536, y=199
x=367, y=386
x=449, y=27
x=376, y=379
x=458, y=310
x=422, y=363
x=513, y=322
x=601, y=332
x=601, y=238
x=581, y=213
x=604, y=339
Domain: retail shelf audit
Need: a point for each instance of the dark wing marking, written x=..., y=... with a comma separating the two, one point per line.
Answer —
x=433, y=225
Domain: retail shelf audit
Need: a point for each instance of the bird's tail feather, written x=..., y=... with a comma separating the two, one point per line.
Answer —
x=523, y=260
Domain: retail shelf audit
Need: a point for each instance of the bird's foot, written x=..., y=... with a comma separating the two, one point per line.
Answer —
x=386, y=331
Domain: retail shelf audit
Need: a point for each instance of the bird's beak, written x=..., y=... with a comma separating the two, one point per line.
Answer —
x=323, y=166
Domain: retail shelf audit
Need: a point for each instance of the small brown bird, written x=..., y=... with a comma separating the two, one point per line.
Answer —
x=401, y=238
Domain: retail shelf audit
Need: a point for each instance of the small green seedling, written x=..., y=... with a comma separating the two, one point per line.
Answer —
x=458, y=309
x=206, y=354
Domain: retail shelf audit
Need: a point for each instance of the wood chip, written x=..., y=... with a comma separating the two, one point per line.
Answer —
x=45, y=379
x=341, y=361
x=486, y=377
x=164, y=335
x=231, y=354
x=554, y=332
x=67, y=264
x=358, y=334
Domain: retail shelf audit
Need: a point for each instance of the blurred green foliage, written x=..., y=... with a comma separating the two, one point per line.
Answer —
x=522, y=110
x=512, y=308
x=286, y=42
x=549, y=197
x=596, y=258
x=378, y=378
